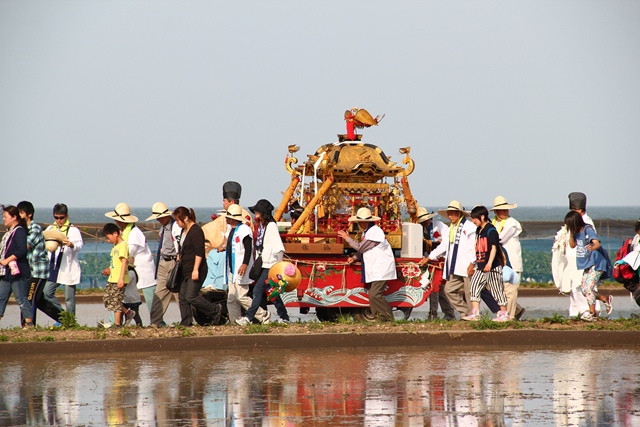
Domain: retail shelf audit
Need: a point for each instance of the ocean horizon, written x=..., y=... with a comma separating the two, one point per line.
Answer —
x=203, y=214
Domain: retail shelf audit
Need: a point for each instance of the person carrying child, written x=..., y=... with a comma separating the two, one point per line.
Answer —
x=118, y=276
x=488, y=266
x=583, y=237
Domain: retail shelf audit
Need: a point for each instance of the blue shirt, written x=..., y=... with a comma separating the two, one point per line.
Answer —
x=584, y=257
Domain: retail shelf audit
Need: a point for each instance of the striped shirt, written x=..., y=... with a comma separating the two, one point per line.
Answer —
x=37, y=254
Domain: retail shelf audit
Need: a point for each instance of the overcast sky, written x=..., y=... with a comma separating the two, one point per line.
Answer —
x=141, y=101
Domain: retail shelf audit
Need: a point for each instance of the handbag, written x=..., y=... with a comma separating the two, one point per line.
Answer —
x=256, y=269
x=174, y=278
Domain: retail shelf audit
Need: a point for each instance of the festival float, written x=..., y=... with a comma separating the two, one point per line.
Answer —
x=324, y=191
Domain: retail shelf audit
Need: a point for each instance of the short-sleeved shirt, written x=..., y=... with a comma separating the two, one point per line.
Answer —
x=584, y=257
x=119, y=251
x=486, y=239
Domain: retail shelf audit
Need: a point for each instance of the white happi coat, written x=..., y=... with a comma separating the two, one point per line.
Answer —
x=466, y=250
x=379, y=263
x=237, y=249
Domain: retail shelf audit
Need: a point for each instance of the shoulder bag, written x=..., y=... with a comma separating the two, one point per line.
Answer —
x=174, y=278
x=256, y=268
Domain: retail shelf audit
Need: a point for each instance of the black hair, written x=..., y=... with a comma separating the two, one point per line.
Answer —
x=574, y=222
x=637, y=226
x=110, y=228
x=60, y=209
x=232, y=199
x=14, y=212
x=26, y=207
x=479, y=211
x=181, y=213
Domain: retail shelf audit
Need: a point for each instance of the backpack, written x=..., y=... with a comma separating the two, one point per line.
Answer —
x=608, y=272
x=623, y=273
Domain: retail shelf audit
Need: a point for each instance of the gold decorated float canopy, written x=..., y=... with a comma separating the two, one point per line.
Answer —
x=354, y=162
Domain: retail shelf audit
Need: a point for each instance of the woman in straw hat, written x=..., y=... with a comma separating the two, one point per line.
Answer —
x=376, y=256
x=509, y=230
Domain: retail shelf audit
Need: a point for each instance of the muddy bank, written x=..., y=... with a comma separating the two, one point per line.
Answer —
x=539, y=339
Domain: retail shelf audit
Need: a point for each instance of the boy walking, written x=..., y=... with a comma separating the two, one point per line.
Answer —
x=118, y=276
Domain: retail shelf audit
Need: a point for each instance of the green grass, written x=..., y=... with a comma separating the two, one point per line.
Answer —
x=68, y=320
x=556, y=319
x=256, y=329
x=487, y=324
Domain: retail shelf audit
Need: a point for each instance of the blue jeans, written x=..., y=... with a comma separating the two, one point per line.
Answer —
x=69, y=296
x=259, y=296
x=20, y=291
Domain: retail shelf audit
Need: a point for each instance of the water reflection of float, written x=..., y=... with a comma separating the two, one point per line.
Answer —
x=327, y=189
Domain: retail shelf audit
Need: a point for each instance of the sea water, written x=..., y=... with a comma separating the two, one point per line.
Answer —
x=521, y=213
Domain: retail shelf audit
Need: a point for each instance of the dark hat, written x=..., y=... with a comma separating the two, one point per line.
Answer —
x=263, y=206
x=578, y=201
x=231, y=190
x=295, y=207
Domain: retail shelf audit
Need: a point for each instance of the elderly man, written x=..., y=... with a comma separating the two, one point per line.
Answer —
x=432, y=233
x=458, y=248
x=166, y=258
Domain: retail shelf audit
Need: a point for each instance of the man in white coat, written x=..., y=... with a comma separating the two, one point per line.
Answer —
x=378, y=263
x=459, y=250
x=64, y=267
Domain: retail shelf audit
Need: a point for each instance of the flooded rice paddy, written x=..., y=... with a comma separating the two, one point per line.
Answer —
x=404, y=387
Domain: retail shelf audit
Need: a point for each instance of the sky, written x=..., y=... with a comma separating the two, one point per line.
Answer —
x=144, y=101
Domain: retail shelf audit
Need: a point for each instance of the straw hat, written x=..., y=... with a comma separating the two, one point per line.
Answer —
x=122, y=213
x=159, y=210
x=364, y=215
x=500, y=203
x=424, y=215
x=234, y=212
x=52, y=239
x=454, y=205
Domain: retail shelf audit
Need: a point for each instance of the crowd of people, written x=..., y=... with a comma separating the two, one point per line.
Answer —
x=481, y=257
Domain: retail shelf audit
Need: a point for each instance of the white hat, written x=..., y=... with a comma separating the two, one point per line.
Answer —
x=364, y=215
x=500, y=203
x=454, y=205
x=52, y=239
x=122, y=213
x=159, y=210
x=424, y=215
x=234, y=212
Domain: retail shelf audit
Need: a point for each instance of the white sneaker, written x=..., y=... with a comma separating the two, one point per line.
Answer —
x=242, y=321
x=609, y=305
x=588, y=317
x=473, y=317
x=281, y=320
x=266, y=319
x=502, y=316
